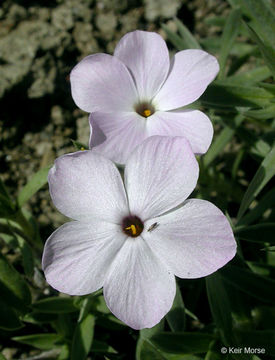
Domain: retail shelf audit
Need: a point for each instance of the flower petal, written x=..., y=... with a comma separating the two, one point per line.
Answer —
x=116, y=135
x=139, y=289
x=78, y=255
x=194, y=125
x=194, y=240
x=192, y=71
x=147, y=57
x=102, y=82
x=159, y=175
x=85, y=185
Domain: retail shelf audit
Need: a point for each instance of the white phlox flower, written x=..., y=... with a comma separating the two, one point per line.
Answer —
x=137, y=93
x=132, y=238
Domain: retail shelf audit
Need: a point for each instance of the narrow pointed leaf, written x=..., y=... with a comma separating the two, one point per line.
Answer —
x=182, y=342
x=176, y=316
x=83, y=338
x=7, y=208
x=224, y=95
x=262, y=15
x=36, y=182
x=55, y=305
x=39, y=341
x=13, y=288
x=265, y=203
x=220, y=306
x=267, y=51
x=259, y=233
x=8, y=318
x=263, y=340
x=174, y=38
x=229, y=35
x=253, y=284
x=265, y=172
x=189, y=41
x=249, y=77
x=220, y=141
x=145, y=350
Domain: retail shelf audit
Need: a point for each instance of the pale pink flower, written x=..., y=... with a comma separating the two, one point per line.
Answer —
x=133, y=94
x=132, y=238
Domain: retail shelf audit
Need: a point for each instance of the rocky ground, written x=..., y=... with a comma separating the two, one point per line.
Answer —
x=39, y=46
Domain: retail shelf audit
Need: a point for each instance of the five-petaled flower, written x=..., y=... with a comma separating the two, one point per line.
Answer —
x=132, y=238
x=133, y=94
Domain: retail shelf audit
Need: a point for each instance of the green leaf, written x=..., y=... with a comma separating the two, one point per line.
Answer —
x=265, y=203
x=253, y=284
x=39, y=341
x=83, y=338
x=27, y=256
x=102, y=347
x=215, y=20
x=261, y=178
x=174, y=38
x=258, y=233
x=249, y=77
x=220, y=306
x=8, y=318
x=261, y=114
x=13, y=288
x=182, y=342
x=267, y=51
x=64, y=353
x=7, y=208
x=3, y=190
x=223, y=95
x=55, y=305
x=63, y=325
x=188, y=40
x=264, y=339
x=214, y=352
x=36, y=182
x=2, y=357
x=78, y=145
x=229, y=35
x=38, y=318
x=176, y=316
x=269, y=87
x=221, y=140
x=213, y=44
x=263, y=18
x=148, y=351
x=145, y=350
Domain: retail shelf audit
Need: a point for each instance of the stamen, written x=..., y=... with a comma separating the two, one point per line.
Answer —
x=145, y=109
x=147, y=112
x=132, y=228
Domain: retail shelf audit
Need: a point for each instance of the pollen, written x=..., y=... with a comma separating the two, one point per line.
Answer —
x=147, y=112
x=132, y=228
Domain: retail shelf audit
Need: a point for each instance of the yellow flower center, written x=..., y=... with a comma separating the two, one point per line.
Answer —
x=145, y=109
x=147, y=112
x=132, y=226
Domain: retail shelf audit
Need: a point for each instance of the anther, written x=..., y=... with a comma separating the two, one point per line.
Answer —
x=132, y=228
x=147, y=112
